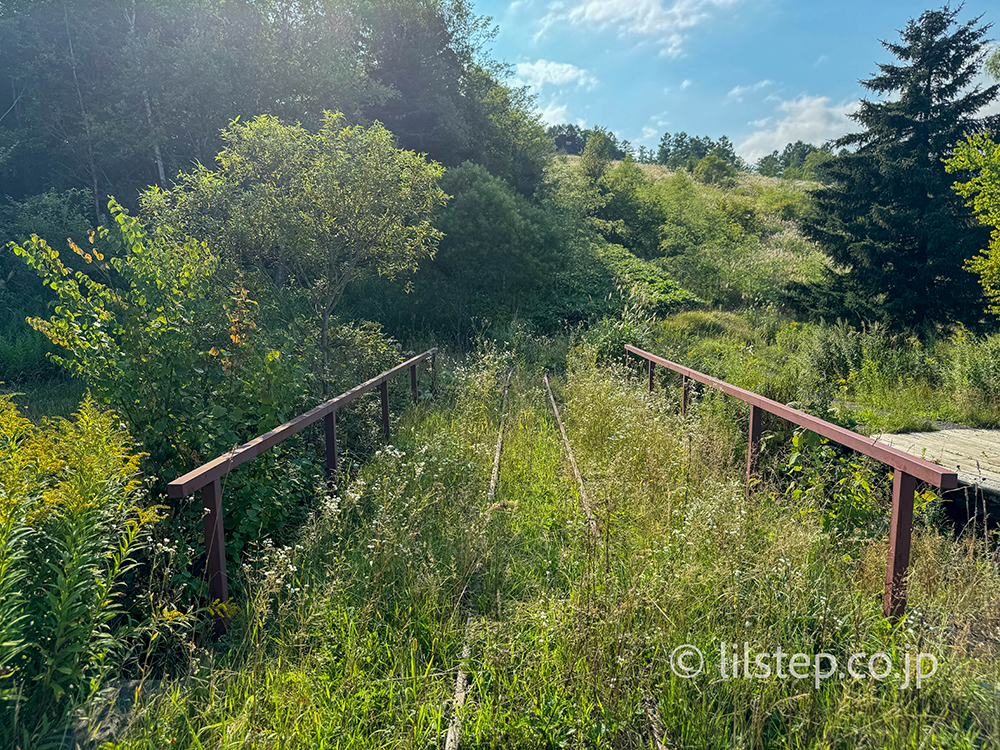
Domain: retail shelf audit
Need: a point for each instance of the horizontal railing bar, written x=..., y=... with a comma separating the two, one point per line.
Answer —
x=918, y=467
x=197, y=478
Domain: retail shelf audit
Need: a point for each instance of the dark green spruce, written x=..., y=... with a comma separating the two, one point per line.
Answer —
x=897, y=232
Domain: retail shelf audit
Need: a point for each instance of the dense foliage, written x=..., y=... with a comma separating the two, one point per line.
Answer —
x=980, y=155
x=310, y=210
x=112, y=97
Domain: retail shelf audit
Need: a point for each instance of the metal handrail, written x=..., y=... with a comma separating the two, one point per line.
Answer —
x=206, y=477
x=907, y=468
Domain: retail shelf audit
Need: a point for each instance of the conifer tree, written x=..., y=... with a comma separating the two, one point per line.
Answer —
x=897, y=233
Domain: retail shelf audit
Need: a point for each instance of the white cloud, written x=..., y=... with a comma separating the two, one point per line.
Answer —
x=647, y=133
x=736, y=93
x=544, y=73
x=684, y=85
x=554, y=114
x=812, y=119
x=663, y=22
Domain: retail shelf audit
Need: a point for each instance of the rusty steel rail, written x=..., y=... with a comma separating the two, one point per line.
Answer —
x=907, y=469
x=595, y=535
x=207, y=476
x=454, y=736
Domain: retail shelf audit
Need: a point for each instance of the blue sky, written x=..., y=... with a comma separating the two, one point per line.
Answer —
x=764, y=73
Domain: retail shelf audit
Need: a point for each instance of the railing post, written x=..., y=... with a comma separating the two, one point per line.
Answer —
x=900, y=525
x=330, y=429
x=434, y=374
x=384, y=390
x=685, y=395
x=651, y=365
x=413, y=382
x=753, y=443
x=215, y=550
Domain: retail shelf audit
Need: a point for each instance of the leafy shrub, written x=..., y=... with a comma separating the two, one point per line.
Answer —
x=781, y=201
x=497, y=251
x=852, y=491
x=72, y=523
x=648, y=284
x=632, y=215
x=186, y=368
x=712, y=170
x=176, y=348
x=606, y=339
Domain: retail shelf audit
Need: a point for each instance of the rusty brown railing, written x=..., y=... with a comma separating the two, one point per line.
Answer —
x=907, y=469
x=207, y=477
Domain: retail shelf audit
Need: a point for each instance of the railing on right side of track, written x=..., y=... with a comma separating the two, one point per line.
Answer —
x=207, y=476
x=907, y=469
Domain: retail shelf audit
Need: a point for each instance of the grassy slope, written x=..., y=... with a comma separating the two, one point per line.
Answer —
x=353, y=638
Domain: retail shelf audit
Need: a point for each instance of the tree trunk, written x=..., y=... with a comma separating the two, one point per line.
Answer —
x=149, y=110
x=325, y=346
x=92, y=165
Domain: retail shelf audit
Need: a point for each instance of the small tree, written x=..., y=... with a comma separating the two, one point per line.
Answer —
x=161, y=339
x=712, y=170
x=320, y=208
x=597, y=154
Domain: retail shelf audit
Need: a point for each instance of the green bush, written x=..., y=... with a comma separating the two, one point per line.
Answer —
x=181, y=358
x=606, y=339
x=712, y=170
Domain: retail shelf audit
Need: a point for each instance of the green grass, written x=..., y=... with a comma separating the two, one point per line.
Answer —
x=352, y=637
x=865, y=378
x=53, y=395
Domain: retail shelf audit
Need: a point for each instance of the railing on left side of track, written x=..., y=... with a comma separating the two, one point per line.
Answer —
x=207, y=476
x=907, y=469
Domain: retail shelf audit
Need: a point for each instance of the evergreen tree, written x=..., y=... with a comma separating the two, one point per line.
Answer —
x=895, y=230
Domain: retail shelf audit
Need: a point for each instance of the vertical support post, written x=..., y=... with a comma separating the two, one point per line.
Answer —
x=434, y=374
x=900, y=525
x=651, y=365
x=215, y=550
x=384, y=390
x=413, y=381
x=330, y=429
x=753, y=444
x=685, y=395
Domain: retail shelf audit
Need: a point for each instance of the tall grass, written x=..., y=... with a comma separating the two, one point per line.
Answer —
x=352, y=636
x=885, y=382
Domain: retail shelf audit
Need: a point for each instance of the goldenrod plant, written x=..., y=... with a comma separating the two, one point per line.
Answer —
x=73, y=520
